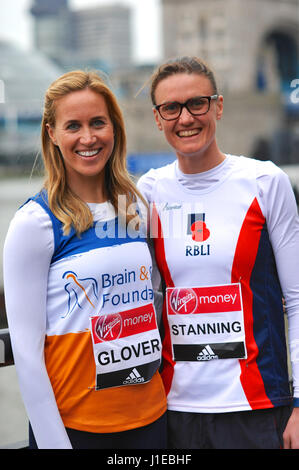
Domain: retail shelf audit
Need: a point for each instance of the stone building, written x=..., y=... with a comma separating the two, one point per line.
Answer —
x=253, y=47
x=251, y=44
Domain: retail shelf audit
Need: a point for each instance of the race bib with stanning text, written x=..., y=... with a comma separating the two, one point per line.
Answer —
x=206, y=323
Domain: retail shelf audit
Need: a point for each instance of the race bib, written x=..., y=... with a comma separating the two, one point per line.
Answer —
x=206, y=323
x=126, y=346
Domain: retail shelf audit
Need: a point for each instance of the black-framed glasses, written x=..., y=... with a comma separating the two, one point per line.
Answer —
x=196, y=106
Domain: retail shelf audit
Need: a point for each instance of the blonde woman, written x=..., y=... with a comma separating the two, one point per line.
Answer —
x=83, y=326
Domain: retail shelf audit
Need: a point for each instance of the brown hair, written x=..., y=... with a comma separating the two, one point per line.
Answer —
x=181, y=65
x=64, y=204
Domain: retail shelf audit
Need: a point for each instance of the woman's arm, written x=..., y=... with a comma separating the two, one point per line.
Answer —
x=283, y=226
x=27, y=254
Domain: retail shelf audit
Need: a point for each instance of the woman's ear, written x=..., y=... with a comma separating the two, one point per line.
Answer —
x=219, y=107
x=157, y=119
x=51, y=133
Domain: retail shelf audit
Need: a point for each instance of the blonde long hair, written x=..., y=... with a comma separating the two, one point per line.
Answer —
x=63, y=202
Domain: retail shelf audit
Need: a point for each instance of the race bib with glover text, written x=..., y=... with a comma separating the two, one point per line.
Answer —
x=126, y=346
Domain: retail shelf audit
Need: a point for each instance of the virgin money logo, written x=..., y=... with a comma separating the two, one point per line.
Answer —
x=108, y=327
x=183, y=300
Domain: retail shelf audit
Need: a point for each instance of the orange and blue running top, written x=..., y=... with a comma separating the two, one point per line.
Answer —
x=83, y=324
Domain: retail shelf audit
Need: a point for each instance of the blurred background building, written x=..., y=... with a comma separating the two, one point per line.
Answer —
x=252, y=46
x=98, y=36
x=25, y=77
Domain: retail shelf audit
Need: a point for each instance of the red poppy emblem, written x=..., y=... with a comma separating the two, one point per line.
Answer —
x=200, y=232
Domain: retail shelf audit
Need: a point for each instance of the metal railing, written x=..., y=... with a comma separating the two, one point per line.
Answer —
x=6, y=359
x=6, y=356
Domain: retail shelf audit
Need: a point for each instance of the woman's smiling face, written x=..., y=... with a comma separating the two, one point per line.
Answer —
x=189, y=135
x=84, y=133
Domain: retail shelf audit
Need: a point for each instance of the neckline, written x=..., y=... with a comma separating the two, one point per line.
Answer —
x=219, y=173
x=101, y=210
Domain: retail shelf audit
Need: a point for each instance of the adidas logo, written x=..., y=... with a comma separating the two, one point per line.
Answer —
x=133, y=378
x=206, y=354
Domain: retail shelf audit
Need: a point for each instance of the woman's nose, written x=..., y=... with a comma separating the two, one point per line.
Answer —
x=186, y=116
x=87, y=136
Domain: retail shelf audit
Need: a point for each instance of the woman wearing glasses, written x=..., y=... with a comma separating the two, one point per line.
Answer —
x=225, y=231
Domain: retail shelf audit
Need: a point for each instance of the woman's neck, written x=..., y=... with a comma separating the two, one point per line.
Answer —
x=89, y=190
x=204, y=161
